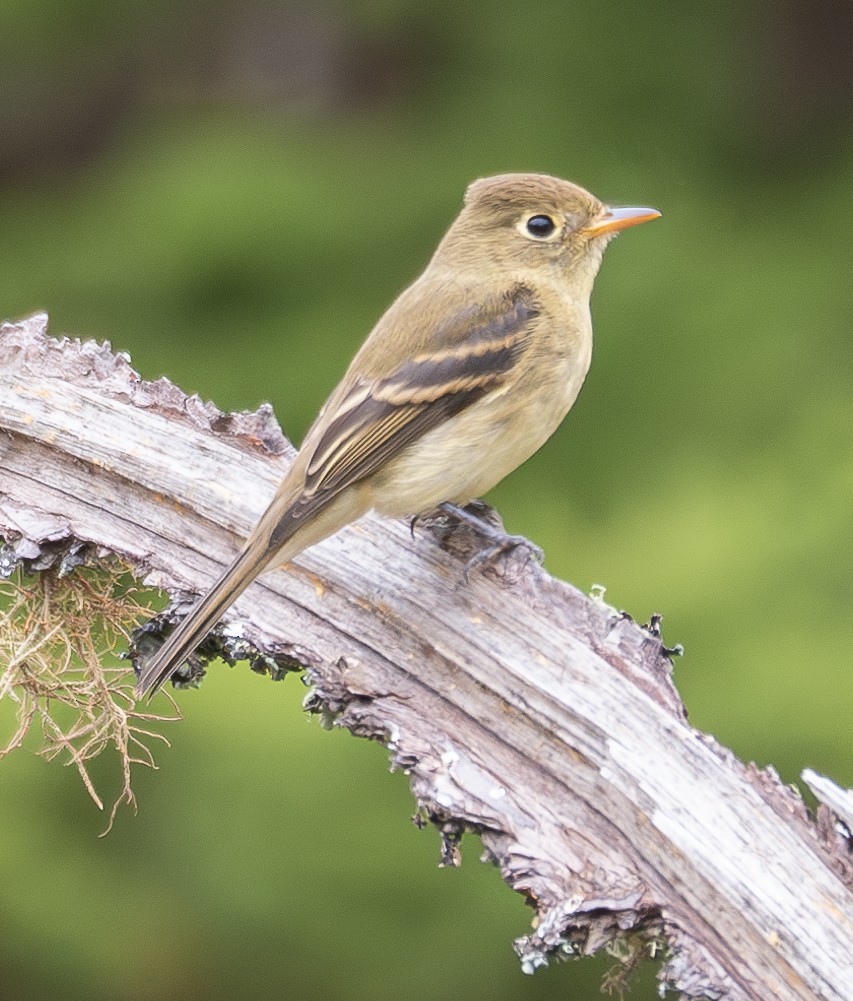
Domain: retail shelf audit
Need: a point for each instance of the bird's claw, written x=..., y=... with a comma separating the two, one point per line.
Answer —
x=480, y=518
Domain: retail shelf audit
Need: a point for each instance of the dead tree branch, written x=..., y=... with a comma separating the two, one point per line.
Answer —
x=520, y=708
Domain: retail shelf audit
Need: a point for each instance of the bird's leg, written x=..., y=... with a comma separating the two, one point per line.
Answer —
x=499, y=541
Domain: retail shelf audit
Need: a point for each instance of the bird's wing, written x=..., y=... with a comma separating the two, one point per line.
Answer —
x=371, y=421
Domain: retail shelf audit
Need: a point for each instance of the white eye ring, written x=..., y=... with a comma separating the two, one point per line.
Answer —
x=539, y=226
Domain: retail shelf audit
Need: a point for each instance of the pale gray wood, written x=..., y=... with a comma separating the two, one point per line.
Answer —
x=839, y=801
x=519, y=707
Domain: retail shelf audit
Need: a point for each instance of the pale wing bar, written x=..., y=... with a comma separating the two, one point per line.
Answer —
x=418, y=396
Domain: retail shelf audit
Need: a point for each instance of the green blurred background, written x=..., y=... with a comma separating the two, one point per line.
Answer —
x=232, y=192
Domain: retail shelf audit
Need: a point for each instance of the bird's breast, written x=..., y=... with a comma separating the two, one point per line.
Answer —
x=470, y=453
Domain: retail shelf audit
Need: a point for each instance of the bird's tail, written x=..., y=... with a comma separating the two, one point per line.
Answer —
x=243, y=569
x=289, y=525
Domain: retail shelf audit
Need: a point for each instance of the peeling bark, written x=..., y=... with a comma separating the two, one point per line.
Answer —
x=520, y=708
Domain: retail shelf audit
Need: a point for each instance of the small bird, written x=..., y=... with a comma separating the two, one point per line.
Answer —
x=467, y=374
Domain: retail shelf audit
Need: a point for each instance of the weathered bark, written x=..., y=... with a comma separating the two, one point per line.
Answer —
x=520, y=708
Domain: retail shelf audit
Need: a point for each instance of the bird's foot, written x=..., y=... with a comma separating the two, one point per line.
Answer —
x=480, y=517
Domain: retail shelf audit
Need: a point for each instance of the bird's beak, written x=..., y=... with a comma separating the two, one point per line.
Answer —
x=615, y=219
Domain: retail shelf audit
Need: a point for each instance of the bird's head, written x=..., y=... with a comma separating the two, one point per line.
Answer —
x=534, y=221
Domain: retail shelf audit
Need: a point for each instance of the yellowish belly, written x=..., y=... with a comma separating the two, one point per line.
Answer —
x=465, y=457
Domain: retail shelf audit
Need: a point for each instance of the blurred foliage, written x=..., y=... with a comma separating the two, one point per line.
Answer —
x=233, y=192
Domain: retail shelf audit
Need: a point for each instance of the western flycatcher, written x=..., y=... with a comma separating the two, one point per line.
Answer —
x=468, y=373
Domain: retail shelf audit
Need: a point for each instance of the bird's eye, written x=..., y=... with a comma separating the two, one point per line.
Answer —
x=540, y=226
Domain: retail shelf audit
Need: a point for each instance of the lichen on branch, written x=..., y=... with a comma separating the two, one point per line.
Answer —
x=61, y=637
